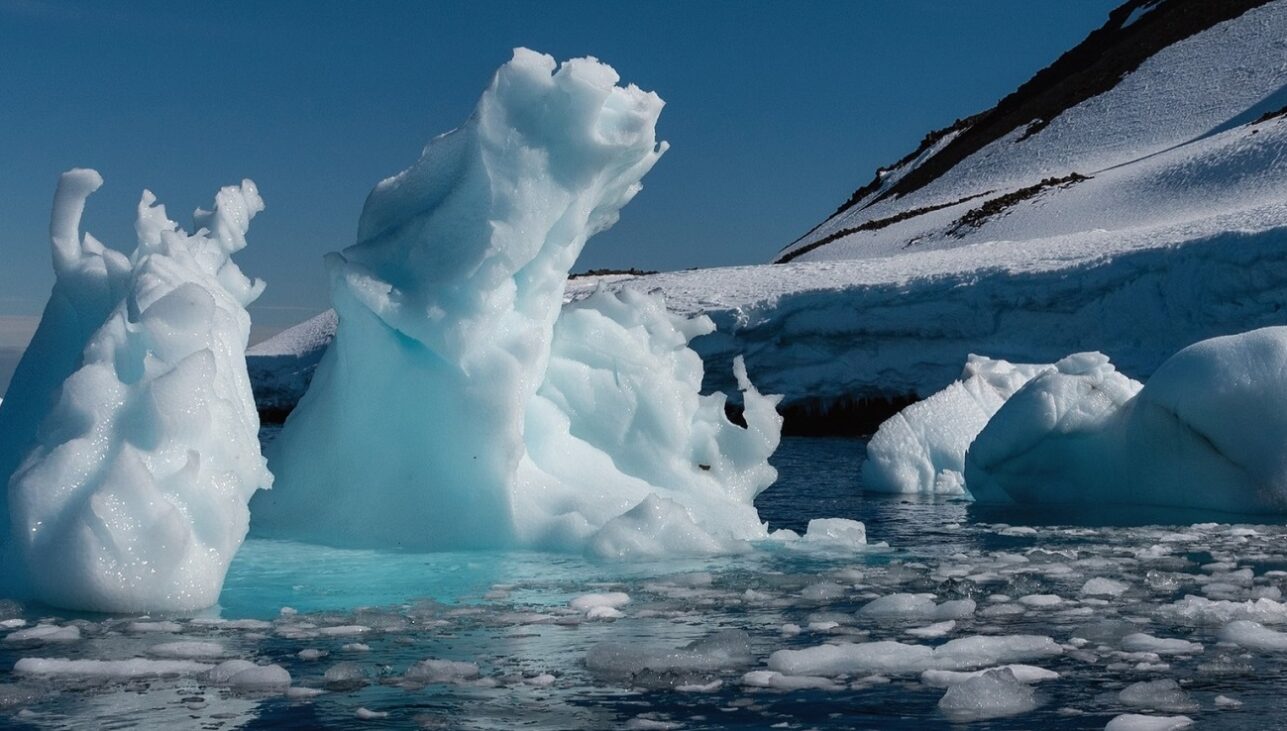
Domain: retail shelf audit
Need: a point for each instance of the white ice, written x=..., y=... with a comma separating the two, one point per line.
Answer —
x=1205, y=433
x=453, y=411
x=134, y=412
x=1140, y=722
x=992, y=694
x=887, y=656
x=922, y=448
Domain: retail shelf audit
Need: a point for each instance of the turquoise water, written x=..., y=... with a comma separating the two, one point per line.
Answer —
x=353, y=625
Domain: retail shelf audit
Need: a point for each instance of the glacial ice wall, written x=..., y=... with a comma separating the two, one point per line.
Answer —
x=134, y=411
x=922, y=448
x=1205, y=433
x=423, y=426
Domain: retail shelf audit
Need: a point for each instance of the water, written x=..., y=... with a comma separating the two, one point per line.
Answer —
x=361, y=619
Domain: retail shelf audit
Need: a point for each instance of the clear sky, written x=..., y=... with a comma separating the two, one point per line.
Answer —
x=775, y=112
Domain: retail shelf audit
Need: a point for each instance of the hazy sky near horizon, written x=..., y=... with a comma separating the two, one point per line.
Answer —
x=776, y=111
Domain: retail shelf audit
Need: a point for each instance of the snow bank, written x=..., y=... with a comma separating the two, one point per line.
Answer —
x=922, y=448
x=1205, y=433
x=133, y=495
x=451, y=411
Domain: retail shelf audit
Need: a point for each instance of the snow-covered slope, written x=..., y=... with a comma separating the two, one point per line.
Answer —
x=1152, y=143
x=1139, y=206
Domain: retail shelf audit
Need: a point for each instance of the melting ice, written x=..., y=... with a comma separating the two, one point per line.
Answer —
x=452, y=410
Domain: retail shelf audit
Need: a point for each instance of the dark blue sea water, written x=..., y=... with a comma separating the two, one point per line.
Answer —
x=353, y=623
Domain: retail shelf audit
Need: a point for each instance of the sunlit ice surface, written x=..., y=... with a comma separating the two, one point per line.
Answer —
x=1175, y=620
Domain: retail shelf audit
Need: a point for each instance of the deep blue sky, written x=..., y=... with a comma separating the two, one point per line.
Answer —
x=775, y=112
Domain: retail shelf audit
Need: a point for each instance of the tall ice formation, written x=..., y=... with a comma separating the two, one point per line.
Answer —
x=129, y=427
x=423, y=426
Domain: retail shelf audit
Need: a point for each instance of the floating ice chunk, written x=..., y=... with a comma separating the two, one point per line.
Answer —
x=344, y=630
x=586, y=602
x=187, y=650
x=1040, y=600
x=922, y=448
x=1254, y=636
x=823, y=591
x=45, y=633
x=310, y=654
x=778, y=681
x=345, y=676
x=1201, y=610
x=911, y=607
x=1140, y=642
x=898, y=658
x=1022, y=673
x=648, y=723
x=261, y=678
x=224, y=671
x=441, y=671
x=723, y=649
x=1137, y=722
x=836, y=533
x=710, y=687
x=365, y=714
x=298, y=693
x=992, y=694
x=134, y=493
x=1205, y=433
x=1225, y=702
x=1160, y=695
x=150, y=627
x=111, y=669
x=900, y=607
x=604, y=613
x=1102, y=587
x=938, y=629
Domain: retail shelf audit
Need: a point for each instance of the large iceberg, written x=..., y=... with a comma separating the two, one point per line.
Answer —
x=922, y=448
x=1206, y=432
x=450, y=412
x=134, y=412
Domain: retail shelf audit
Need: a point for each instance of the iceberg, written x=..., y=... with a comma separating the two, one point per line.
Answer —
x=454, y=408
x=1205, y=433
x=922, y=448
x=132, y=412
x=89, y=281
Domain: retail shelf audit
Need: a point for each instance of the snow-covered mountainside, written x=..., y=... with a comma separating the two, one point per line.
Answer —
x=1131, y=199
x=1138, y=125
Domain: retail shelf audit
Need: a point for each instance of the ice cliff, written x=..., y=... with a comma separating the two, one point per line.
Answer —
x=129, y=425
x=450, y=411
